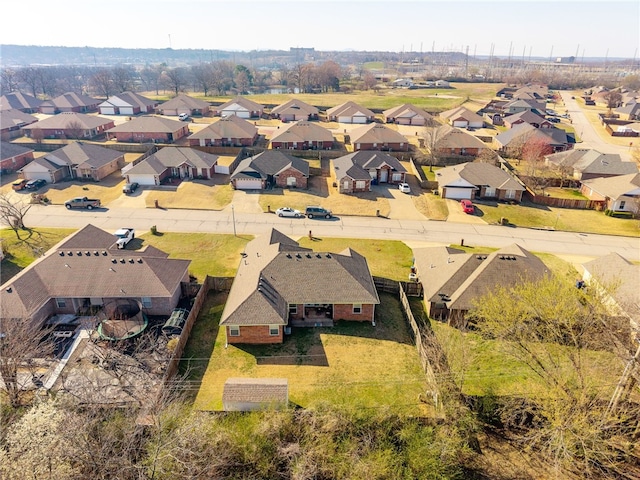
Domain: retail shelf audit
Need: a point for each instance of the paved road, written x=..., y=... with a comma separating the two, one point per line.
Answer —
x=588, y=134
x=413, y=232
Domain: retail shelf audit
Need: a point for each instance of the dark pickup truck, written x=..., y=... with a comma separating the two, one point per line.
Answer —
x=82, y=202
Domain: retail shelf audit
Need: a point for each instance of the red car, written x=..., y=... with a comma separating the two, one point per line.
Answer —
x=467, y=206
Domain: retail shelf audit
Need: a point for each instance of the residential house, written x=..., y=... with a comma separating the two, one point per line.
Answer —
x=621, y=193
x=12, y=121
x=350, y=112
x=356, y=172
x=241, y=107
x=69, y=102
x=512, y=140
x=378, y=137
x=453, y=280
x=269, y=169
x=302, y=135
x=229, y=131
x=402, y=83
x=280, y=285
x=526, y=116
x=478, y=180
x=250, y=394
x=517, y=106
x=584, y=164
x=452, y=141
x=408, y=114
x=149, y=129
x=463, y=118
x=127, y=103
x=88, y=270
x=19, y=101
x=14, y=156
x=69, y=126
x=619, y=280
x=525, y=92
x=184, y=104
x=294, y=110
x=172, y=162
x=631, y=111
x=79, y=160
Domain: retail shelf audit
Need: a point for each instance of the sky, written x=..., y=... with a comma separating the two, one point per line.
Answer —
x=517, y=28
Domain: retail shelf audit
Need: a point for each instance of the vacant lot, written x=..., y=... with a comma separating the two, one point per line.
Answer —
x=194, y=194
x=352, y=363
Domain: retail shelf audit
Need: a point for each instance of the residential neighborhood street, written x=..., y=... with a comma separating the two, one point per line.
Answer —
x=413, y=232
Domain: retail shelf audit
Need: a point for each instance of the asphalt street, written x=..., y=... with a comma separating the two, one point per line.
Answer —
x=412, y=232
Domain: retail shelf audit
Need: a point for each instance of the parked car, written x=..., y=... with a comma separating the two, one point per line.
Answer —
x=130, y=187
x=19, y=184
x=82, y=202
x=125, y=235
x=315, y=211
x=467, y=206
x=35, y=184
x=288, y=212
x=183, y=116
x=554, y=119
x=404, y=187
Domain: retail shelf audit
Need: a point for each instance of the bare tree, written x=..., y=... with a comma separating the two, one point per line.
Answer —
x=430, y=137
x=175, y=79
x=123, y=78
x=30, y=77
x=151, y=77
x=613, y=99
x=9, y=80
x=538, y=172
x=12, y=212
x=203, y=77
x=74, y=130
x=102, y=82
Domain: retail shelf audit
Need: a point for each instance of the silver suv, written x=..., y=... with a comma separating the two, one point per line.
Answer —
x=315, y=211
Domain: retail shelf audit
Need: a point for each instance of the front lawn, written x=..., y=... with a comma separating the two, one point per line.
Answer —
x=195, y=194
x=352, y=363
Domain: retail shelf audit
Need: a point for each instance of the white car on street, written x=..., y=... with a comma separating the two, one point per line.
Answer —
x=404, y=187
x=288, y=212
x=125, y=235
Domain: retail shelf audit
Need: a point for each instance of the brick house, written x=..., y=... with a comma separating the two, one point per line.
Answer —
x=350, y=112
x=226, y=132
x=280, y=285
x=87, y=269
x=69, y=126
x=184, y=104
x=620, y=193
x=149, y=130
x=302, y=135
x=69, y=102
x=172, y=162
x=378, y=137
x=356, y=172
x=20, y=101
x=241, y=107
x=13, y=157
x=271, y=168
x=12, y=121
x=408, y=114
x=294, y=110
x=585, y=164
x=478, y=180
x=454, y=141
x=127, y=103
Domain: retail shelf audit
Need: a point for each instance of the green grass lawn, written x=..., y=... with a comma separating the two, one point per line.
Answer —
x=351, y=363
x=569, y=220
x=33, y=243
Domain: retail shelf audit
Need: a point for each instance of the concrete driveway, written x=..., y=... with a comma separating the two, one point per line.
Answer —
x=245, y=201
x=456, y=214
x=401, y=204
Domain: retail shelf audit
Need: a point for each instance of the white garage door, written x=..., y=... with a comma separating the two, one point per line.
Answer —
x=108, y=110
x=142, y=179
x=361, y=119
x=458, y=193
x=344, y=120
x=46, y=176
x=126, y=111
x=248, y=184
x=460, y=123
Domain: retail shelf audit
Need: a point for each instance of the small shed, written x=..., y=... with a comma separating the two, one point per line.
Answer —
x=173, y=326
x=249, y=394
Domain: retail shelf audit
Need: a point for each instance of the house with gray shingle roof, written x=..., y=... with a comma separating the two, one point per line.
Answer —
x=280, y=285
x=356, y=172
x=453, y=141
x=13, y=157
x=512, y=140
x=69, y=102
x=295, y=110
x=87, y=269
x=302, y=135
x=526, y=116
x=20, y=101
x=478, y=180
x=462, y=117
x=225, y=132
x=149, y=129
x=172, y=162
x=453, y=279
x=241, y=107
x=268, y=169
x=127, y=103
x=378, y=137
x=249, y=394
x=350, y=112
x=585, y=164
x=408, y=114
x=76, y=160
x=12, y=121
x=182, y=103
x=69, y=125
x=630, y=111
x=621, y=193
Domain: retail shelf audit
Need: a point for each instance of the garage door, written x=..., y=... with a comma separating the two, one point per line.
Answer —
x=108, y=110
x=46, y=176
x=361, y=119
x=458, y=193
x=345, y=120
x=142, y=179
x=248, y=184
x=126, y=111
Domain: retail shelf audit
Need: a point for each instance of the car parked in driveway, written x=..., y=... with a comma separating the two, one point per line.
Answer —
x=35, y=184
x=315, y=211
x=130, y=187
x=19, y=184
x=183, y=116
x=404, y=187
x=288, y=212
x=467, y=206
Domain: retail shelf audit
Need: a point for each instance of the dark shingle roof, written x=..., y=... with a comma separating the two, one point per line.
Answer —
x=9, y=150
x=270, y=162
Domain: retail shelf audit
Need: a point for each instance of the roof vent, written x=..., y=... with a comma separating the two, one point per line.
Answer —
x=308, y=255
x=95, y=252
x=512, y=257
x=87, y=253
x=298, y=255
x=479, y=257
x=70, y=254
x=139, y=260
x=288, y=255
x=328, y=255
x=122, y=260
x=501, y=257
x=9, y=290
x=131, y=260
x=79, y=253
x=113, y=260
x=111, y=269
x=318, y=255
x=104, y=253
x=61, y=253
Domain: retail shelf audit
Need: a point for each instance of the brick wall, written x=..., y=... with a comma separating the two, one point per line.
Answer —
x=301, y=180
x=258, y=334
x=345, y=312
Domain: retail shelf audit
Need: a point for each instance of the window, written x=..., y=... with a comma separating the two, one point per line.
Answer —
x=346, y=185
x=510, y=194
x=360, y=184
x=489, y=192
x=146, y=302
x=234, y=331
x=274, y=330
x=357, y=308
x=622, y=204
x=61, y=302
x=396, y=177
x=293, y=309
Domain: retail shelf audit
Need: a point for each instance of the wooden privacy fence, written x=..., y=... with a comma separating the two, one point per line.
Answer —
x=565, y=202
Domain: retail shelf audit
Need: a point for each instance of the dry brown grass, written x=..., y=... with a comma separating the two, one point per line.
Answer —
x=322, y=192
x=196, y=194
x=431, y=206
x=107, y=190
